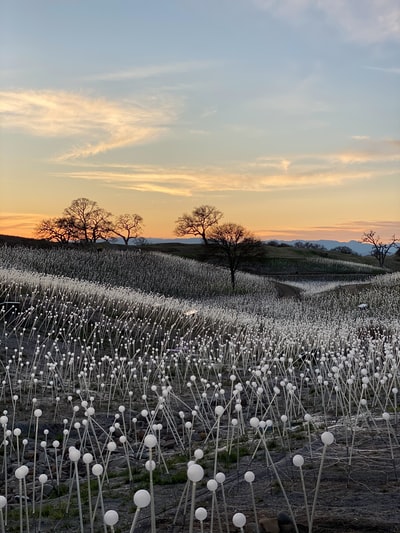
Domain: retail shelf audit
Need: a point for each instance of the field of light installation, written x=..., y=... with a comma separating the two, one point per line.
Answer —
x=138, y=394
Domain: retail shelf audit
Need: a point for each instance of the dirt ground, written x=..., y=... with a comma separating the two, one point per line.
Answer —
x=363, y=498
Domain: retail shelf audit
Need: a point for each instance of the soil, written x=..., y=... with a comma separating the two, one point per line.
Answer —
x=363, y=498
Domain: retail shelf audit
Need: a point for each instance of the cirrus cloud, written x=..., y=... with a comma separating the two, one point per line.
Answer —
x=98, y=125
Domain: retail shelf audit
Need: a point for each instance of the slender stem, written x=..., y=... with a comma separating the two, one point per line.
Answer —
x=134, y=520
x=305, y=496
x=2, y=522
x=79, y=497
x=21, y=513
x=316, y=490
x=216, y=447
x=89, y=497
x=34, y=465
x=26, y=506
x=254, y=507
x=152, y=509
x=40, y=505
x=192, y=507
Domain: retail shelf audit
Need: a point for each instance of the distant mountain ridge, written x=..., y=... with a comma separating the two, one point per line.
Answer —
x=355, y=246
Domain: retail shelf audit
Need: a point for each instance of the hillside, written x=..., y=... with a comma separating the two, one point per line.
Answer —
x=282, y=261
x=291, y=262
x=249, y=381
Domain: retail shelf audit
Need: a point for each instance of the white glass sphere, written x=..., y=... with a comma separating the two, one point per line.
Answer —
x=254, y=422
x=87, y=458
x=239, y=520
x=3, y=502
x=219, y=410
x=198, y=454
x=97, y=470
x=111, y=446
x=74, y=454
x=200, y=514
x=21, y=472
x=327, y=438
x=298, y=460
x=141, y=498
x=220, y=477
x=43, y=479
x=150, y=466
x=249, y=477
x=38, y=413
x=212, y=485
x=150, y=441
x=111, y=518
x=386, y=416
x=195, y=473
x=17, y=432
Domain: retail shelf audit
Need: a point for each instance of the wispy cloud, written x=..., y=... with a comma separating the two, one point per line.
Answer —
x=366, y=21
x=98, y=125
x=349, y=230
x=268, y=173
x=152, y=71
x=387, y=70
x=367, y=150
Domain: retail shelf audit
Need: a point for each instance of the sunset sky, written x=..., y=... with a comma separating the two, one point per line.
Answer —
x=284, y=114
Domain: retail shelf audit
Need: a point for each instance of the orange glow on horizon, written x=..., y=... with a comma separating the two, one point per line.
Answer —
x=19, y=225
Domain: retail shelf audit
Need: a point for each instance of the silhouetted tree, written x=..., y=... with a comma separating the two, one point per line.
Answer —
x=90, y=221
x=57, y=229
x=199, y=223
x=236, y=244
x=343, y=250
x=127, y=226
x=379, y=248
x=310, y=245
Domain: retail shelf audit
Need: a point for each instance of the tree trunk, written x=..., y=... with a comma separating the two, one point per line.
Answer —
x=233, y=280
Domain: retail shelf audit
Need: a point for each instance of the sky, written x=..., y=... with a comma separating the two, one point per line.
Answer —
x=283, y=114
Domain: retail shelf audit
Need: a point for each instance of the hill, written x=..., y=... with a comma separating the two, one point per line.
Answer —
x=281, y=260
x=291, y=262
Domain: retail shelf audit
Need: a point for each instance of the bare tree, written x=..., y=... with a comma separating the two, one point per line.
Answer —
x=91, y=221
x=379, y=248
x=128, y=226
x=236, y=244
x=199, y=223
x=57, y=229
